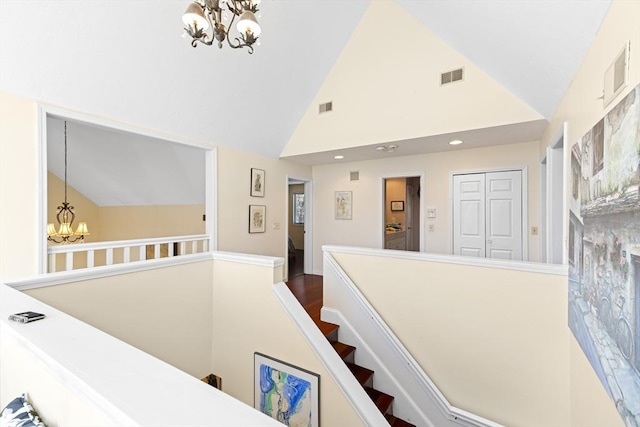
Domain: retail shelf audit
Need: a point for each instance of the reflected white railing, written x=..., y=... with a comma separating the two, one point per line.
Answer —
x=88, y=255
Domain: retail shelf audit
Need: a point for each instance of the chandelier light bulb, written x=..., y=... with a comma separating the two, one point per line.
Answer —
x=248, y=24
x=194, y=17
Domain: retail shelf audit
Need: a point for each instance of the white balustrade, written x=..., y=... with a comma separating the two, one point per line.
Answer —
x=120, y=252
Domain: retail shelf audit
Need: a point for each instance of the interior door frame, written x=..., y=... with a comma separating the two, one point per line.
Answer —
x=556, y=211
x=543, y=209
x=308, y=229
x=525, y=204
x=381, y=203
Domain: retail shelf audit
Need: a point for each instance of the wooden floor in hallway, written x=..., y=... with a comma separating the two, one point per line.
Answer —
x=307, y=288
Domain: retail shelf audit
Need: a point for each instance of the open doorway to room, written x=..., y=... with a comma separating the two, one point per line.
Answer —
x=298, y=240
x=402, y=212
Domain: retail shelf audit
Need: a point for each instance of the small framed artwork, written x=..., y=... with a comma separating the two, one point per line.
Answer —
x=257, y=182
x=257, y=218
x=285, y=392
x=342, y=203
x=397, y=206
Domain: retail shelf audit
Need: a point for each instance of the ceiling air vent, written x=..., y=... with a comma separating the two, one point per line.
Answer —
x=326, y=107
x=355, y=176
x=452, y=76
x=617, y=75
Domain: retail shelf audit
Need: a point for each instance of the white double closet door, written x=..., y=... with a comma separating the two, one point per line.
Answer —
x=487, y=215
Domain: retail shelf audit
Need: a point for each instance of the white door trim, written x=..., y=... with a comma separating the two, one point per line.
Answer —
x=308, y=224
x=525, y=203
x=557, y=155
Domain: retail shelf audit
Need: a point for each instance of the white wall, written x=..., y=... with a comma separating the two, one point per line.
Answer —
x=365, y=229
x=165, y=312
x=581, y=108
x=56, y=402
x=19, y=176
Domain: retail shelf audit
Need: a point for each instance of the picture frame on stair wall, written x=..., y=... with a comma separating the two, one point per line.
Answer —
x=285, y=392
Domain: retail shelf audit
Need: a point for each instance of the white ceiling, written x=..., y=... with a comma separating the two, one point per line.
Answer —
x=126, y=60
x=113, y=168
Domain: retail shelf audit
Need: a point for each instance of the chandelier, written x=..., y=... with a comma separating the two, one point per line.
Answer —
x=65, y=215
x=204, y=14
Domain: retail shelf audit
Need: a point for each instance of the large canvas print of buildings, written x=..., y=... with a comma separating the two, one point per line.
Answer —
x=604, y=252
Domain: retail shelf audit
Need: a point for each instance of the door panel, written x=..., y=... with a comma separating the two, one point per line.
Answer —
x=504, y=211
x=469, y=215
x=487, y=215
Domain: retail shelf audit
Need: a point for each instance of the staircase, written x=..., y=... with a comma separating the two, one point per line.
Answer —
x=364, y=376
x=308, y=291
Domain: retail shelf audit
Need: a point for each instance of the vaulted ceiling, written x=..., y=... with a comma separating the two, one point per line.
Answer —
x=127, y=60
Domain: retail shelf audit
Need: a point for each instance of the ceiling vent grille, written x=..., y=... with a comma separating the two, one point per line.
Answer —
x=326, y=107
x=354, y=176
x=452, y=76
x=617, y=75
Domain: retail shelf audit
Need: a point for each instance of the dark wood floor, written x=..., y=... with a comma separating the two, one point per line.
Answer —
x=307, y=288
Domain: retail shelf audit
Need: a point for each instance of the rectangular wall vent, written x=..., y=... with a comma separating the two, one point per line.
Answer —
x=617, y=75
x=326, y=107
x=355, y=176
x=452, y=76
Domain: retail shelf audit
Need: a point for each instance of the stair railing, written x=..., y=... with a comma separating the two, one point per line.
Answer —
x=348, y=384
x=124, y=251
x=411, y=381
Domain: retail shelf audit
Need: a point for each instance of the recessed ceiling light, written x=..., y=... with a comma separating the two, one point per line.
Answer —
x=455, y=142
x=338, y=157
x=381, y=148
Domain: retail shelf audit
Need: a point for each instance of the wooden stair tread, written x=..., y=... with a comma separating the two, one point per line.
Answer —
x=327, y=328
x=363, y=375
x=382, y=400
x=397, y=422
x=343, y=350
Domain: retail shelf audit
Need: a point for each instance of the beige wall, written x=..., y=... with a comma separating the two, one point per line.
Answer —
x=107, y=223
x=495, y=345
x=581, y=108
x=234, y=171
x=366, y=227
x=384, y=90
x=139, y=222
x=18, y=186
x=296, y=231
x=247, y=318
x=165, y=312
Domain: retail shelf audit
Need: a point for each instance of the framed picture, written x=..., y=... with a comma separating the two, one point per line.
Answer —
x=298, y=208
x=342, y=204
x=285, y=392
x=397, y=206
x=257, y=182
x=257, y=218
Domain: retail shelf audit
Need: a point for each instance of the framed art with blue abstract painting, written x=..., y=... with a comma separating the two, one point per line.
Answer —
x=285, y=392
